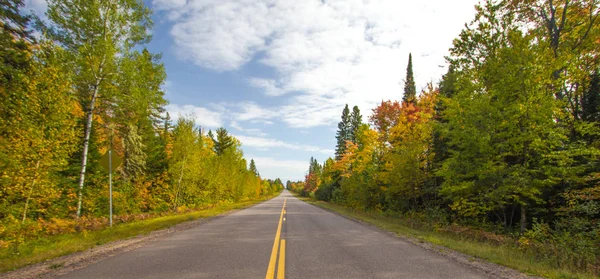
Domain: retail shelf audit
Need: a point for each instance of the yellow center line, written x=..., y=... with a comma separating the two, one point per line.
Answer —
x=272, y=261
x=281, y=265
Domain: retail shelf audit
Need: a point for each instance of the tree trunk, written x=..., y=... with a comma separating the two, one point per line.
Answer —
x=86, y=143
x=37, y=166
x=523, y=218
x=179, y=184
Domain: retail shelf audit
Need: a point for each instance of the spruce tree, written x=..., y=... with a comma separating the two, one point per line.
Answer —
x=590, y=101
x=410, y=91
x=223, y=141
x=355, y=122
x=253, y=168
x=343, y=133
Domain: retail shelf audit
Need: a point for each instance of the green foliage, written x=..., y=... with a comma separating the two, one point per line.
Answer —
x=355, y=122
x=410, y=90
x=343, y=133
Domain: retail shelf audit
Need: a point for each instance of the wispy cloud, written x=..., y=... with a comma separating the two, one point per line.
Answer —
x=265, y=143
x=247, y=111
x=251, y=131
x=203, y=116
x=329, y=52
x=270, y=86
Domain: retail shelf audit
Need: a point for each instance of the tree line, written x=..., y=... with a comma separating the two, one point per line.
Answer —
x=507, y=141
x=83, y=83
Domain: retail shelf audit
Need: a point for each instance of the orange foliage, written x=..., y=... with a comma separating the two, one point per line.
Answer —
x=385, y=116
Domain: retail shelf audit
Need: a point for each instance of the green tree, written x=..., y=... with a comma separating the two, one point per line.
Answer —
x=343, y=133
x=410, y=90
x=355, y=122
x=253, y=168
x=500, y=125
x=222, y=142
x=97, y=34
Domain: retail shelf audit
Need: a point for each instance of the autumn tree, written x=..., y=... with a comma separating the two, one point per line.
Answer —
x=384, y=117
x=408, y=164
x=96, y=34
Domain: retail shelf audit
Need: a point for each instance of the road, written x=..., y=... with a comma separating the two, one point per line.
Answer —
x=281, y=237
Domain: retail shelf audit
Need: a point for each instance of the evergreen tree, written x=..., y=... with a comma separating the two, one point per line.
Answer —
x=355, y=122
x=410, y=91
x=223, y=141
x=343, y=133
x=590, y=102
x=253, y=168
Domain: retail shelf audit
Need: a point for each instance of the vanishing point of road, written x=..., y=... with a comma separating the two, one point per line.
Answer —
x=282, y=237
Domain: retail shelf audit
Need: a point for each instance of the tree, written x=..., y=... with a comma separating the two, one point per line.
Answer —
x=223, y=141
x=97, y=34
x=410, y=91
x=500, y=125
x=355, y=122
x=343, y=133
x=253, y=168
x=384, y=117
x=408, y=164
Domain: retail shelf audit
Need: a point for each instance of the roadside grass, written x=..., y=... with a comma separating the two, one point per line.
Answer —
x=47, y=248
x=502, y=254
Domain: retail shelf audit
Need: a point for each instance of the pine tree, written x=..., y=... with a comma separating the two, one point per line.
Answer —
x=223, y=141
x=253, y=168
x=590, y=103
x=343, y=133
x=410, y=91
x=355, y=122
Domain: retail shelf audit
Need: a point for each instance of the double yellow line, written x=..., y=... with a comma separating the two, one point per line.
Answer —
x=276, y=247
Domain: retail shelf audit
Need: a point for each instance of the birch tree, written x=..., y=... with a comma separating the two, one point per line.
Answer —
x=96, y=33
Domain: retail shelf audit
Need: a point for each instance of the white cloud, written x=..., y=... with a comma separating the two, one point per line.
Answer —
x=284, y=169
x=252, y=131
x=270, y=86
x=331, y=52
x=251, y=111
x=203, y=116
x=264, y=143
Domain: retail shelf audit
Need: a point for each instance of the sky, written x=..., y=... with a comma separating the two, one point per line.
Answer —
x=277, y=73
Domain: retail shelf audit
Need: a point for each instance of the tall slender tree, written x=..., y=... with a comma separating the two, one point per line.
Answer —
x=253, y=168
x=98, y=34
x=343, y=133
x=410, y=91
x=355, y=122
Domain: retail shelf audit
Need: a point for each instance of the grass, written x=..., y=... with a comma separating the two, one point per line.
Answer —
x=506, y=255
x=42, y=249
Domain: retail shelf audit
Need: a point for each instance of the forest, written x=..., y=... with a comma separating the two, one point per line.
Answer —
x=80, y=84
x=507, y=143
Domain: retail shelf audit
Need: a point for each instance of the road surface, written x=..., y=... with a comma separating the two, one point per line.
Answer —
x=281, y=237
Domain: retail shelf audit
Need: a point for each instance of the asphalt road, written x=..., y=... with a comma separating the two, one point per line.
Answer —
x=298, y=241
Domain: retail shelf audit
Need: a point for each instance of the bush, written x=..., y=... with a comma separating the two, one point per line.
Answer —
x=324, y=192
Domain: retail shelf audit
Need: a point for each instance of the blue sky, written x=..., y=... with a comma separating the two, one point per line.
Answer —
x=277, y=73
